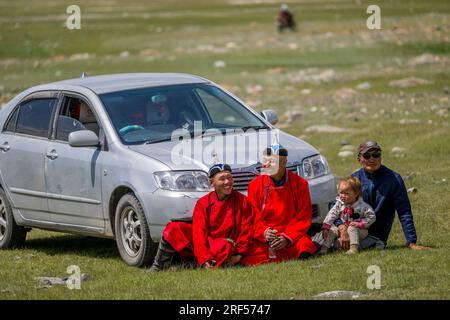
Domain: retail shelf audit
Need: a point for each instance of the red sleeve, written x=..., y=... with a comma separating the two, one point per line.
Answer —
x=300, y=223
x=255, y=198
x=200, y=232
x=245, y=237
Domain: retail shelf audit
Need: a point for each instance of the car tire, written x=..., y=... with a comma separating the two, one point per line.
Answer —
x=135, y=245
x=11, y=235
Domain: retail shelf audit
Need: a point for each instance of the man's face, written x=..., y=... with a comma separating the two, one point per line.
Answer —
x=273, y=165
x=157, y=112
x=371, y=160
x=223, y=183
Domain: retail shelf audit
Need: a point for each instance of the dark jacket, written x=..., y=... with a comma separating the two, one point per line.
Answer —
x=385, y=191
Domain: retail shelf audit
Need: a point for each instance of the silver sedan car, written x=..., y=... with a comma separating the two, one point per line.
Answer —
x=118, y=156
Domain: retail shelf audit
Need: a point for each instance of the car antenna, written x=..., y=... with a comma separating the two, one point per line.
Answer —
x=83, y=75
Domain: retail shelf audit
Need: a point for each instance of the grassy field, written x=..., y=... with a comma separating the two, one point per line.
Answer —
x=311, y=77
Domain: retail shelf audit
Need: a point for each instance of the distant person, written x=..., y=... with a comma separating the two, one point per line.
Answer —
x=385, y=191
x=158, y=112
x=285, y=19
x=355, y=215
x=221, y=230
x=283, y=212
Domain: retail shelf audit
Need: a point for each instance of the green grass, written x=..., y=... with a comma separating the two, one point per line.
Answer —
x=190, y=36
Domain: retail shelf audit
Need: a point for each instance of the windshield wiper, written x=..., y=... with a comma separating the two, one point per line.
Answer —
x=212, y=132
x=253, y=127
x=158, y=140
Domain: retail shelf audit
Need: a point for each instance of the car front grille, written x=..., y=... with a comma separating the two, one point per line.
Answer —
x=243, y=177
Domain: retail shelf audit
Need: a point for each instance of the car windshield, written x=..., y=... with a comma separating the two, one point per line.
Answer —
x=150, y=115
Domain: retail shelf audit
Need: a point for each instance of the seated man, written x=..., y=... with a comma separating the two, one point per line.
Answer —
x=385, y=191
x=283, y=212
x=158, y=114
x=221, y=231
x=87, y=118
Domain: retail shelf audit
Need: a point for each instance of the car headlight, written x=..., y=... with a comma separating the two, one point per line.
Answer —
x=182, y=180
x=314, y=167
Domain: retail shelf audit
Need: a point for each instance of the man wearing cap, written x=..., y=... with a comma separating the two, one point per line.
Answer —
x=283, y=212
x=221, y=231
x=385, y=191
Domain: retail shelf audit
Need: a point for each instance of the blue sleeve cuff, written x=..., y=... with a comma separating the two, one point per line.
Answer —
x=338, y=222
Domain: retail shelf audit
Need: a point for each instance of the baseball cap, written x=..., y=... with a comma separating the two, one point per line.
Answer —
x=368, y=145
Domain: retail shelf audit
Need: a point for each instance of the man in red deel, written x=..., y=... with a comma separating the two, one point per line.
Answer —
x=221, y=231
x=283, y=212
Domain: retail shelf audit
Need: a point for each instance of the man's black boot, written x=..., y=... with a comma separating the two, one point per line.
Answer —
x=163, y=257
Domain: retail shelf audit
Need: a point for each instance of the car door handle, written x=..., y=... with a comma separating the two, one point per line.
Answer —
x=5, y=147
x=52, y=155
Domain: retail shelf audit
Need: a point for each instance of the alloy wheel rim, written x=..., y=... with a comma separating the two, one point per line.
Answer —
x=131, y=231
x=2, y=219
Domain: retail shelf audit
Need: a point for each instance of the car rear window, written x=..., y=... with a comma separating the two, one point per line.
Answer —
x=34, y=117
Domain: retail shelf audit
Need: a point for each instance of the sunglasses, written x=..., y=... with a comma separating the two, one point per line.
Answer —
x=374, y=155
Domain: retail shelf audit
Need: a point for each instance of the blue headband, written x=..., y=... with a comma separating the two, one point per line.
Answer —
x=276, y=149
x=219, y=167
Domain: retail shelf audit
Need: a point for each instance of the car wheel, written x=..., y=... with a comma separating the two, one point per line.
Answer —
x=132, y=233
x=11, y=235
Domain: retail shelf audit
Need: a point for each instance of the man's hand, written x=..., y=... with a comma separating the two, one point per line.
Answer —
x=210, y=264
x=270, y=234
x=354, y=224
x=417, y=247
x=231, y=241
x=235, y=259
x=279, y=243
x=345, y=239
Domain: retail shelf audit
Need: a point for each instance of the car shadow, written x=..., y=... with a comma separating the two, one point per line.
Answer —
x=76, y=245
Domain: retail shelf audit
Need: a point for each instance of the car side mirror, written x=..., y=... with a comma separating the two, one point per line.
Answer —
x=270, y=115
x=83, y=138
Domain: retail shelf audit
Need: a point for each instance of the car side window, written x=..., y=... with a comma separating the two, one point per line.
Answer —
x=34, y=117
x=75, y=115
x=11, y=124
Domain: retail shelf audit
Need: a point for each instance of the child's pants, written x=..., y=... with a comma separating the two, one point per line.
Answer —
x=355, y=235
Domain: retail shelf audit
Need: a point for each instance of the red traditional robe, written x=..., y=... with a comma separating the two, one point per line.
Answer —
x=285, y=208
x=179, y=235
x=213, y=223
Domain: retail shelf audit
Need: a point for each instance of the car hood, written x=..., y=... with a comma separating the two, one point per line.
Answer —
x=197, y=154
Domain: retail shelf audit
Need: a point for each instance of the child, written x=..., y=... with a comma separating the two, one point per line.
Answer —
x=354, y=215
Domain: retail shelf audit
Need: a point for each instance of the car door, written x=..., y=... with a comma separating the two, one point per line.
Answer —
x=74, y=175
x=23, y=145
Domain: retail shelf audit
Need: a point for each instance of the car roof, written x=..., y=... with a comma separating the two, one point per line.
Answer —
x=126, y=81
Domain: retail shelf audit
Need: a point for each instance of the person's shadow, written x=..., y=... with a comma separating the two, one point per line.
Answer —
x=76, y=245
x=396, y=247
